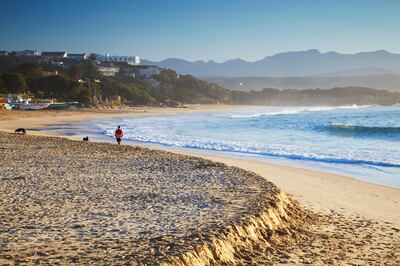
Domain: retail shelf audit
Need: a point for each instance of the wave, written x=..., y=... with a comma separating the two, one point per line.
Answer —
x=362, y=131
x=276, y=151
x=306, y=157
x=300, y=110
x=292, y=137
x=288, y=112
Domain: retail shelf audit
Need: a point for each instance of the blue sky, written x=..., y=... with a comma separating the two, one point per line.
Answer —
x=200, y=30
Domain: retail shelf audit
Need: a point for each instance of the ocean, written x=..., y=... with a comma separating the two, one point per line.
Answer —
x=357, y=141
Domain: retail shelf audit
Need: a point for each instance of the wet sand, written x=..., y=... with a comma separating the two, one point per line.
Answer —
x=10, y=120
x=345, y=221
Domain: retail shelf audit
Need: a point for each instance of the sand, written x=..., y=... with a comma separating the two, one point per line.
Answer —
x=345, y=221
x=62, y=199
x=328, y=192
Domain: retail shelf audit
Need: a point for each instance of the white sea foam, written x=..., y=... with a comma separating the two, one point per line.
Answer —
x=297, y=110
x=325, y=134
x=337, y=155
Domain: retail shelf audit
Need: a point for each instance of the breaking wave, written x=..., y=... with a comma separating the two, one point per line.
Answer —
x=297, y=110
x=279, y=151
x=365, y=139
x=362, y=131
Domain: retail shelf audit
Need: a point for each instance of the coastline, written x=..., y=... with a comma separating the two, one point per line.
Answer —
x=99, y=203
x=323, y=192
x=75, y=202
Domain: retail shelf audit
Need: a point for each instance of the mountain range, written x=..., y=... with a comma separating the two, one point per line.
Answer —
x=292, y=64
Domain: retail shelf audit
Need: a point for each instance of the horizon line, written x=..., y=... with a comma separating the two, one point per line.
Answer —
x=212, y=60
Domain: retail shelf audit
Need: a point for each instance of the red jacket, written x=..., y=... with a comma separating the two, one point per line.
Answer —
x=119, y=133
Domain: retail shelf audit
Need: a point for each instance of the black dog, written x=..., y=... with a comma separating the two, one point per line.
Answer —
x=86, y=138
x=20, y=130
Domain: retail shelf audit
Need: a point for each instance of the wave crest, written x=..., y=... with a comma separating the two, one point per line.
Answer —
x=299, y=110
x=362, y=131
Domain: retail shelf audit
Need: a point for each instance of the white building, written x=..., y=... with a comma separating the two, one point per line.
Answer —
x=140, y=71
x=147, y=72
x=77, y=56
x=131, y=60
x=107, y=69
x=27, y=53
x=54, y=55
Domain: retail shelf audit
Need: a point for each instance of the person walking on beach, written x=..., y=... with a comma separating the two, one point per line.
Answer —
x=119, y=134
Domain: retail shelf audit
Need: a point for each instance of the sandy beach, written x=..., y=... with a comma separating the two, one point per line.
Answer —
x=339, y=220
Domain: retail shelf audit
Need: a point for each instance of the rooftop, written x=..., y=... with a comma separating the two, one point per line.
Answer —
x=53, y=53
x=106, y=64
x=77, y=54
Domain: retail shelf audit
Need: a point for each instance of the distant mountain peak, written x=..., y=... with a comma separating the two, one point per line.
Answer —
x=291, y=64
x=236, y=60
x=312, y=51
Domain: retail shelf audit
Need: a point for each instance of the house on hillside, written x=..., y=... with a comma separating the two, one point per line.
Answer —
x=130, y=60
x=27, y=53
x=107, y=69
x=78, y=57
x=128, y=71
x=54, y=55
x=146, y=72
x=139, y=71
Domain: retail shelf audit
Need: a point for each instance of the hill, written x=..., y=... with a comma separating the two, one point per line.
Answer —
x=360, y=72
x=317, y=97
x=48, y=81
x=382, y=82
x=290, y=64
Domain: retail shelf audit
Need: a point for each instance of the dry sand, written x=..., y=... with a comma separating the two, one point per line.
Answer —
x=351, y=222
x=68, y=201
x=327, y=192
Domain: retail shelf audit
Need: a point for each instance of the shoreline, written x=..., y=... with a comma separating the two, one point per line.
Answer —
x=321, y=191
x=95, y=202
x=164, y=209
x=70, y=204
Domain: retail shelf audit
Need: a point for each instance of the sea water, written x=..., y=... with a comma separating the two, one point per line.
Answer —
x=358, y=141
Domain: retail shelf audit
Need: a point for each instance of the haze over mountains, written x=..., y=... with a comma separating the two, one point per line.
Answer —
x=290, y=64
x=297, y=70
x=379, y=82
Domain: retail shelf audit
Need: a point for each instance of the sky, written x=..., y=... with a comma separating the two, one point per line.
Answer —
x=200, y=30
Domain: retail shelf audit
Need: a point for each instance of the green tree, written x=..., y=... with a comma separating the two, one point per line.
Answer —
x=29, y=71
x=2, y=86
x=14, y=82
x=74, y=72
x=77, y=92
x=55, y=86
x=88, y=69
x=8, y=63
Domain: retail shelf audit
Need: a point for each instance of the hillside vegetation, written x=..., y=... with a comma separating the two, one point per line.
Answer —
x=317, y=97
x=81, y=82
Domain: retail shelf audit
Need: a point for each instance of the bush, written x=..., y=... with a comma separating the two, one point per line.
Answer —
x=14, y=82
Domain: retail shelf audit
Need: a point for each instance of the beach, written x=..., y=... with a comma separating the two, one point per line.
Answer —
x=339, y=220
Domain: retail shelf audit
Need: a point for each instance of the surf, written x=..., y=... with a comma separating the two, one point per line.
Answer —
x=350, y=130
